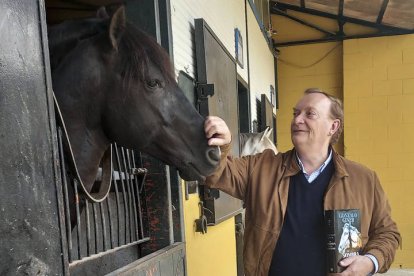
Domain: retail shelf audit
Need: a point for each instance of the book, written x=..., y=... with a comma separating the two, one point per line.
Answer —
x=343, y=231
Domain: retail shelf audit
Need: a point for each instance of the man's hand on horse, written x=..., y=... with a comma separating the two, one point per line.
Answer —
x=356, y=266
x=217, y=131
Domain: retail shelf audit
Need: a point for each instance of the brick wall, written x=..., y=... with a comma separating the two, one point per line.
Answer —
x=378, y=97
x=302, y=67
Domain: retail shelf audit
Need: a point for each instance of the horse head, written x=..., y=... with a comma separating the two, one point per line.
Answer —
x=253, y=143
x=114, y=83
x=344, y=242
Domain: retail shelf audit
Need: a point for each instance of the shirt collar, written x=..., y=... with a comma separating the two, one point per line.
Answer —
x=302, y=168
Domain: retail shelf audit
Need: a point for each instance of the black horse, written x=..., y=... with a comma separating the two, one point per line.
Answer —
x=114, y=83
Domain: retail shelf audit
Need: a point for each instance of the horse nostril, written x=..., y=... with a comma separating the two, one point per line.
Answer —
x=213, y=155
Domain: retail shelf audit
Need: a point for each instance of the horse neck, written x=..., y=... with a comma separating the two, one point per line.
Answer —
x=88, y=144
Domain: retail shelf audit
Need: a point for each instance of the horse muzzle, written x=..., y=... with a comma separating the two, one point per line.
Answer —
x=213, y=156
x=197, y=171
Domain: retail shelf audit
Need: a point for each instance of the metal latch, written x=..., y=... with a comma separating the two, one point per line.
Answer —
x=201, y=223
x=204, y=90
x=140, y=172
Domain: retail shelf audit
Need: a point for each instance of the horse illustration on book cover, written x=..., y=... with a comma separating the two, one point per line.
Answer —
x=351, y=242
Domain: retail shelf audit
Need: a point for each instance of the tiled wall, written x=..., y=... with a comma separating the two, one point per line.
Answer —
x=302, y=67
x=379, y=122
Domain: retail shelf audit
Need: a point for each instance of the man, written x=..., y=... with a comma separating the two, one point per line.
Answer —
x=285, y=196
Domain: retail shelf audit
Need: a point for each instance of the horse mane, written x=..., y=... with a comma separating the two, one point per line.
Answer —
x=136, y=49
x=64, y=37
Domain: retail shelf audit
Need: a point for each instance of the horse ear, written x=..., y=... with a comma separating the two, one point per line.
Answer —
x=117, y=26
x=264, y=134
x=269, y=132
x=101, y=13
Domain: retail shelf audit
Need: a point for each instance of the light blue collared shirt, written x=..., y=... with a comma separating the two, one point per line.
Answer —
x=311, y=177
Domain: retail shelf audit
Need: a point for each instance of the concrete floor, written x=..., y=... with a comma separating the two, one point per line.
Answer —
x=399, y=272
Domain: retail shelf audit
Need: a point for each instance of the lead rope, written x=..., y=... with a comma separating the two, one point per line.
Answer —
x=106, y=163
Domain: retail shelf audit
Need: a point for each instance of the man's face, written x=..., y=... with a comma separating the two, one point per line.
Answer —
x=311, y=124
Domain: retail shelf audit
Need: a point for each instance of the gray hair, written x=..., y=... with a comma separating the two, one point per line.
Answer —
x=336, y=111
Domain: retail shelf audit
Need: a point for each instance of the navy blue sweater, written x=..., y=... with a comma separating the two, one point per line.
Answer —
x=300, y=249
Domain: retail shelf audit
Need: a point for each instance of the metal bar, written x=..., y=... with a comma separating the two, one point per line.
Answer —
x=181, y=211
x=126, y=197
x=307, y=41
x=123, y=191
x=157, y=21
x=118, y=208
x=96, y=256
x=88, y=229
x=130, y=165
x=247, y=26
x=63, y=220
x=382, y=11
x=170, y=218
x=133, y=221
x=103, y=222
x=331, y=39
x=127, y=180
x=111, y=231
x=78, y=221
x=130, y=177
x=340, y=17
x=284, y=6
x=167, y=18
x=65, y=197
x=95, y=223
x=145, y=170
x=142, y=195
x=144, y=206
x=307, y=24
x=341, y=8
x=141, y=225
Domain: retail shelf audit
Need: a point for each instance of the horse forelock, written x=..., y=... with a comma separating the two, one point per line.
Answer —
x=137, y=49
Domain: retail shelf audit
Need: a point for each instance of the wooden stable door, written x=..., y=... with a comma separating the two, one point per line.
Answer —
x=217, y=95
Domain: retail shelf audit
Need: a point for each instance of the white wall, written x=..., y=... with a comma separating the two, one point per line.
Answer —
x=261, y=63
x=223, y=16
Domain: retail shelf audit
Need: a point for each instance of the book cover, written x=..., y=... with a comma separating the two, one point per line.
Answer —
x=343, y=229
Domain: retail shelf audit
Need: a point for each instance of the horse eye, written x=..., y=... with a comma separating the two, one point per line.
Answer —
x=153, y=83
